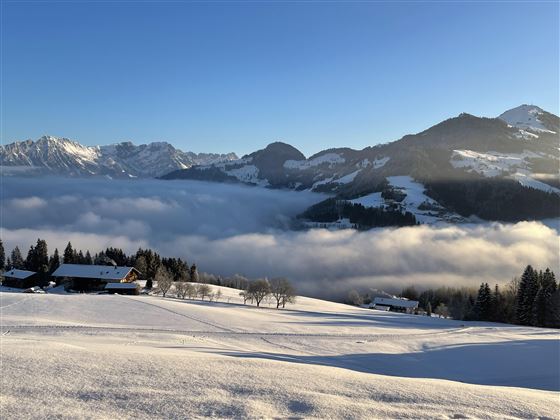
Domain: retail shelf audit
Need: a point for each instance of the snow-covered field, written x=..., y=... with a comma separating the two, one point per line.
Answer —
x=111, y=356
x=492, y=164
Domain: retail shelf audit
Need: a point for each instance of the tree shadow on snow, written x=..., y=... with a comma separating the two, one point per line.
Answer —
x=524, y=363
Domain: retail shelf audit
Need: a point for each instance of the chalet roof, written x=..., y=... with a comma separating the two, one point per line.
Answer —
x=399, y=302
x=18, y=274
x=121, y=286
x=103, y=272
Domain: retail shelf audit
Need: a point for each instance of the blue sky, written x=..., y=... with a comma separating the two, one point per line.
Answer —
x=234, y=76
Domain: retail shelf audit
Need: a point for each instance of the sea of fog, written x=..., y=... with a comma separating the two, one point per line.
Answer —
x=227, y=229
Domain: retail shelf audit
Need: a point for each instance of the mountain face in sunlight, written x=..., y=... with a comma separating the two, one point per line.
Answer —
x=60, y=156
x=502, y=168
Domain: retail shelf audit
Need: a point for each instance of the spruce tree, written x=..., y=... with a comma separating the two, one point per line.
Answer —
x=17, y=259
x=543, y=304
x=483, y=304
x=87, y=259
x=2, y=256
x=69, y=254
x=30, y=261
x=528, y=288
x=497, y=308
x=54, y=261
x=41, y=256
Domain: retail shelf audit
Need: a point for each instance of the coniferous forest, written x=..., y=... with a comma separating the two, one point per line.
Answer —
x=532, y=299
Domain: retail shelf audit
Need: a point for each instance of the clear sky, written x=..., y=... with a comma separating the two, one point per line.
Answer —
x=234, y=76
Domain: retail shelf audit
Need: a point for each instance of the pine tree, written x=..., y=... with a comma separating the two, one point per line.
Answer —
x=30, y=263
x=87, y=259
x=2, y=256
x=429, y=309
x=42, y=256
x=528, y=288
x=194, y=274
x=17, y=259
x=69, y=254
x=54, y=261
x=543, y=302
x=483, y=304
x=497, y=307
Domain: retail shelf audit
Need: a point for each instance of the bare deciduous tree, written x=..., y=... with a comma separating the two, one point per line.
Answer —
x=259, y=289
x=164, y=280
x=218, y=295
x=203, y=290
x=354, y=298
x=181, y=289
x=191, y=291
x=282, y=291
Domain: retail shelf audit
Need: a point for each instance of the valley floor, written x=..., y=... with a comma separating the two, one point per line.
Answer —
x=111, y=356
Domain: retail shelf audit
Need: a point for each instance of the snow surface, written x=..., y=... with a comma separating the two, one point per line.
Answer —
x=415, y=197
x=370, y=200
x=525, y=117
x=327, y=158
x=379, y=163
x=111, y=356
x=492, y=164
x=248, y=174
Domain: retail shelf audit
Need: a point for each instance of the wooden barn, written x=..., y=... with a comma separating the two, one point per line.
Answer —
x=123, y=288
x=394, y=304
x=20, y=279
x=90, y=278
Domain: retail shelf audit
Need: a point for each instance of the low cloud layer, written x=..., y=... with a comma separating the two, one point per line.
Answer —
x=228, y=229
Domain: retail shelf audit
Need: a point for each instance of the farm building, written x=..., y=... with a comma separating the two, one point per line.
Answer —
x=394, y=304
x=123, y=288
x=21, y=279
x=86, y=278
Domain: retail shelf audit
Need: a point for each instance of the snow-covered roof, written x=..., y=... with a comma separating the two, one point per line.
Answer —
x=402, y=303
x=104, y=272
x=121, y=286
x=18, y=274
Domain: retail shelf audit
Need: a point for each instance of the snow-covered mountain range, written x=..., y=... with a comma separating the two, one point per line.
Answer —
x=63, y=156
x=492, y=168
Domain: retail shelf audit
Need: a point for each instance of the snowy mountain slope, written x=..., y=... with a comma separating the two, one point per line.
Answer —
x=169, y=358
x=515, y=166
x=515, y=155
x=528, y=117
x=66, y=157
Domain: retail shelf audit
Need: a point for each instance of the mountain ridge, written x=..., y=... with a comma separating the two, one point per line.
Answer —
x=489, y=159
x=63, y=156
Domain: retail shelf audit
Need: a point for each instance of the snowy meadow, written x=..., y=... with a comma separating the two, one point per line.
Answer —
x=228, y=229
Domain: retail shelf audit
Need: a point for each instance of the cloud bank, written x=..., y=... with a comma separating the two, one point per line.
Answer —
x=228, y=229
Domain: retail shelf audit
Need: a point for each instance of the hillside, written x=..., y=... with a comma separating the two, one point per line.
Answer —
x=170, y=358
x=490, y=168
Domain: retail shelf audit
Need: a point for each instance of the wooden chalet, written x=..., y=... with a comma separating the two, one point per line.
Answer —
x=20, y=279
x=89, y=278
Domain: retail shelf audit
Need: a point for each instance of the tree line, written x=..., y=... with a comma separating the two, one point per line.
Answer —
x=533, y=299
x=171, y=274
x=147, y=261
